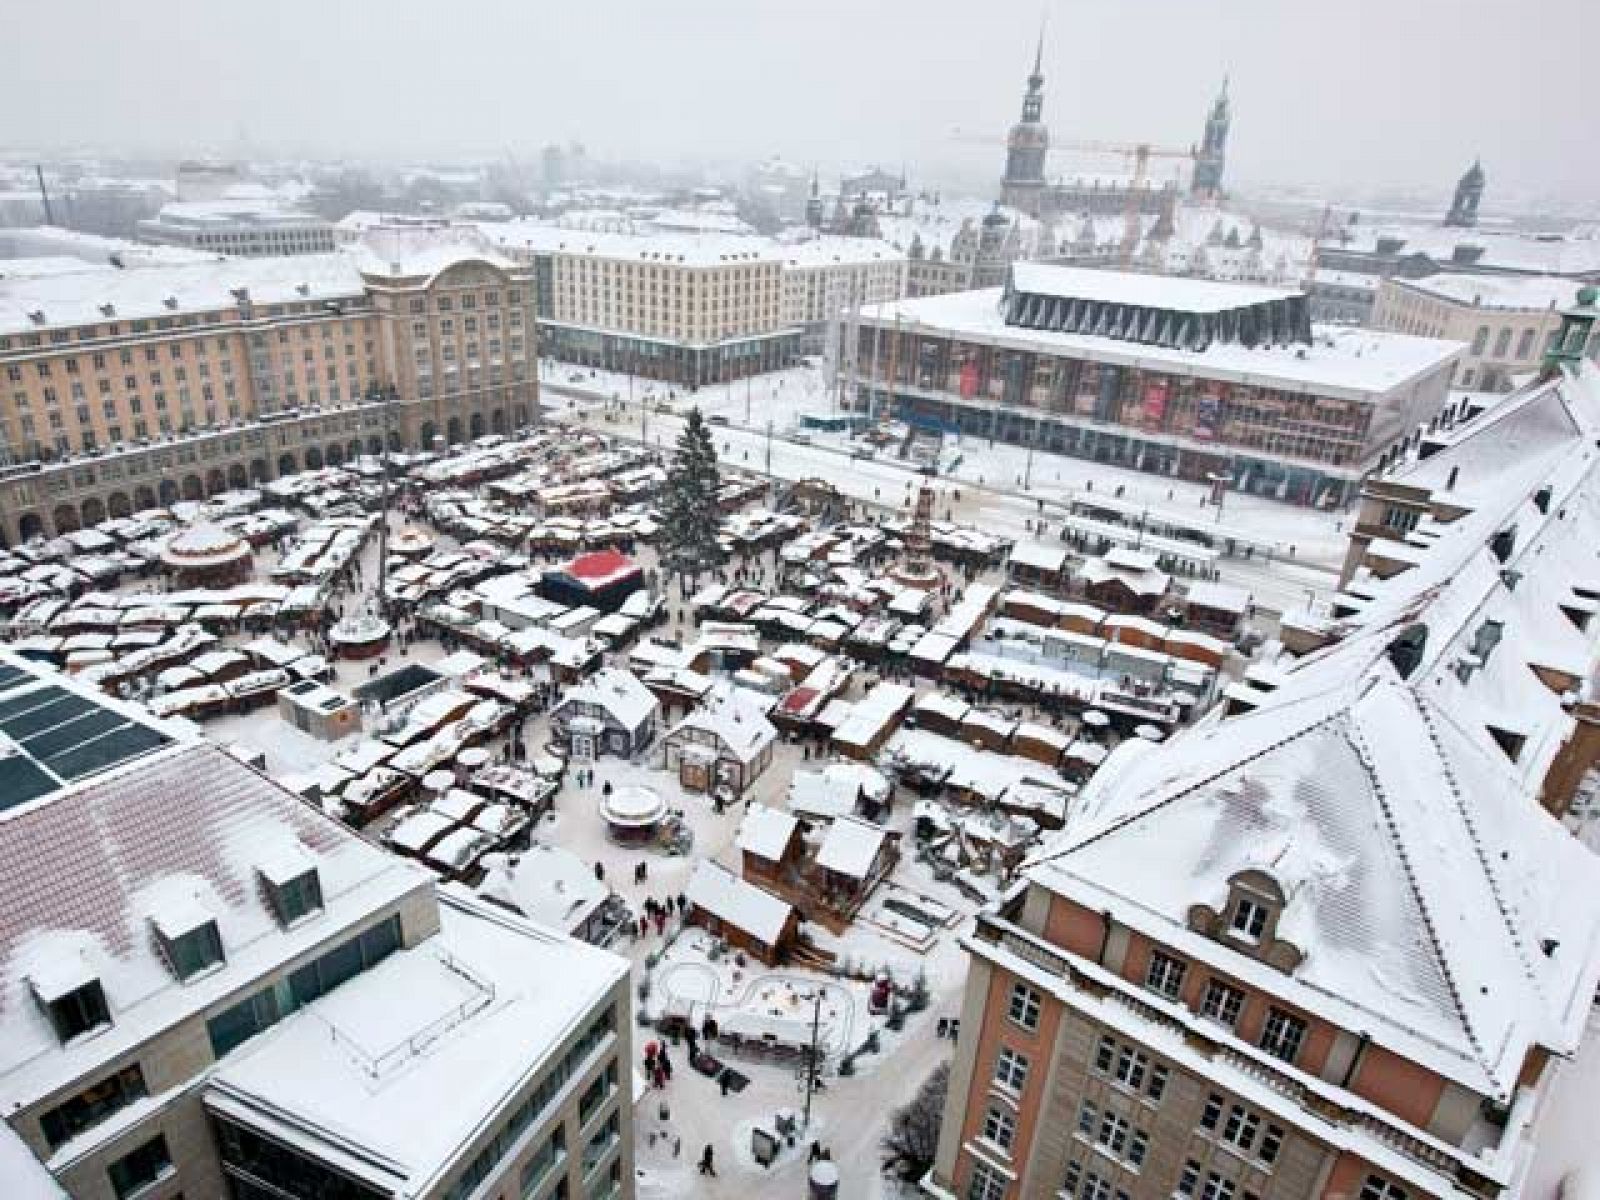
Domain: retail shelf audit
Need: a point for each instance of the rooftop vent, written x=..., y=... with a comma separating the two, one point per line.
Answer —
x=1450, y=483
x=1502, y=544
x=1487, y=638
x=1541, y=499
x=171, y=302
x=108, y=310
x=37, y=316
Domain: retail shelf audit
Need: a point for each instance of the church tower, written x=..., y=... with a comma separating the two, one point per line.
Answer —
x=814, y=205
x=1022, y=186
x=1206, y=186
x=1469, y=190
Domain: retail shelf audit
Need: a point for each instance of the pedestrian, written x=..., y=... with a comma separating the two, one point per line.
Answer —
x=723, y=1080
x=665, y=1064
x=707, y=1165
x=660, y=1077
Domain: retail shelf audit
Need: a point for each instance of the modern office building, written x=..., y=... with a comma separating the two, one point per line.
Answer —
x=1331, y=942
x=122, y=389
x=211, y=989
x=245, y=228
x=684, y=307
x=1194, y=379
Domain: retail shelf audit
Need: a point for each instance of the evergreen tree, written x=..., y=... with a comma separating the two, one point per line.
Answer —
x=689, y=503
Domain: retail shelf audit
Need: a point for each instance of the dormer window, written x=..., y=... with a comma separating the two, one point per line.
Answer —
x=1249, y=919
x=189, y=940
x=294, y=890
x=72, y=998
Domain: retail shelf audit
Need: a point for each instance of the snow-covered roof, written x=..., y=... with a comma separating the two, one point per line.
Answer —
x=743, y=905
x=735, y=718
x=94, y=298
x=883, y=704
x=620, y=693
x=834, y=790
x=692, y=249
x=1041, y=556
x=549, y=885
x=1142, y=290
x=184, y=826
x=474, y=1014
x=830, y=250
x=1536, y=293
x=851, y=846
x=765, y=832
x=423, y=251
x=1340, y=361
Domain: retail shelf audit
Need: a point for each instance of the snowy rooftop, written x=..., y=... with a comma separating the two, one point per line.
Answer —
x=743, y=905
x=830, y=250
x=424, y=250
x=1546, y=253
x=547, y=884
x=765, y=832
x=95, y=297
x=1345, y=362
x=181, y=830
x=851, y=846
x=619, y=692
x=471, y=1015
x=1142, y=290
x=737, y=720
x=1536, y=293
x=668, y=247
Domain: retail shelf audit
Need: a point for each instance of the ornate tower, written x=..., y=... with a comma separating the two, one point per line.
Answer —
x=1469, y=190
x=1022, y=186
x=814, y=205
x=1212, y=156
x=1572, y=340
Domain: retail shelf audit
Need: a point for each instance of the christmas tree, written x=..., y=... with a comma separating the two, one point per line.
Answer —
x=689, y=503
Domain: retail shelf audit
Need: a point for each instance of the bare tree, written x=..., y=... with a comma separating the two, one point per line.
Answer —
x=913, y=1134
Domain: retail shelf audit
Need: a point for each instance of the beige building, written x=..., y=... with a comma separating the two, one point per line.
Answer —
x=826, y=275
x=1506, y=321
x=1331, y=942
x=689, y=308
x=238, y=997
x=124, y=389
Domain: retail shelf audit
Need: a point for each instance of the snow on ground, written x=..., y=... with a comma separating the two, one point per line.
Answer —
x=990, y=477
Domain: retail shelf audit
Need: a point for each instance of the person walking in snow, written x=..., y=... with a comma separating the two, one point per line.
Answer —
x=707, y=1165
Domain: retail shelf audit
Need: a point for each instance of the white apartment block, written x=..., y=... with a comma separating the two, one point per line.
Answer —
x=243, y=228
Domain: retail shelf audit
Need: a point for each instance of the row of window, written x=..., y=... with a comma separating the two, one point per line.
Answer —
x=1242, y=1129
x=1126, y=1064
x=1282, y=1034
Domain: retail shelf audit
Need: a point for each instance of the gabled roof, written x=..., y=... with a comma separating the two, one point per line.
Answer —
x=1422, y=882
x=620, y=693
x=735, y=719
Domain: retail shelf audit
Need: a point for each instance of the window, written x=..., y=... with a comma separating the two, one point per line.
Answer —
x=1010, y=1070
x=1024, y=1008
x=1271, y=1144
x=1378, y=1188
x=985, y=1183
x=1502, y=343
x=1480, y=339
x=1216, y=1188
x=295, y=897
x=1189, y=1178
x=92, y=1105
x=1105, y=1054
x=1165, y=975
x=1212, y=1112
x=1249, y=919
x=1000, y=1127
x=192, y=951
x=134, y=1172
x=1242, y=1127
x=79, y=1011
x=1222, y=1003
x=1525, y=344
x=1282, y=1035
x=1131, y=1066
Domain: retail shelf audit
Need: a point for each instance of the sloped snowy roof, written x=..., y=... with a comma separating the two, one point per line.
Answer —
x=765, y=832
x=549, y=885
x=1421, y=880
x=851, y=846
x=620, y=693
x=735, y=718
x=743, y=905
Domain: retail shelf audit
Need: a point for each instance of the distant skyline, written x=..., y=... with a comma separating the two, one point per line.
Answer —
x=1365, y=94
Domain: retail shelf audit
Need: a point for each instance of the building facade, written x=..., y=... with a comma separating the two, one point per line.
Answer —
x=1170, y=1003
x=825, y=276
x=240, y=228
x=1198, y=380
x=1507, y=323
x=123, y=389
x=690, y=309
x=168, y=1019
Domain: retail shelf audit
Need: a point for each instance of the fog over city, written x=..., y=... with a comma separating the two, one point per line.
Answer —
x=1357, y=94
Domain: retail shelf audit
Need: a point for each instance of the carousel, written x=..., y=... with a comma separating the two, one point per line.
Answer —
x=206, y=555
x=632, y=814
x=360, y=635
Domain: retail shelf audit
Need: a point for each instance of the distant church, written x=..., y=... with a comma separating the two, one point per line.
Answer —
x=1023, y=186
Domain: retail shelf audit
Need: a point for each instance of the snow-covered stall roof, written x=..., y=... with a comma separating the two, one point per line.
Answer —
x=743, y=905
x=734, y=717
x=851, y=846
x=620, y=693
x=766, y=832
x=549, y=885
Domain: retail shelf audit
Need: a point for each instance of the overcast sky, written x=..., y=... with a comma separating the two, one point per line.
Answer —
x=1365, y=92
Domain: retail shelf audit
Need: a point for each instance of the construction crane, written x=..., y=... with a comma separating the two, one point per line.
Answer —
x=1140, y=152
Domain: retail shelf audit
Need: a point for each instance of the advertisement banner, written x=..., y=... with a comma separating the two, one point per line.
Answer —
x=969, y=379
x=1155, y=405
x=1208, y=413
